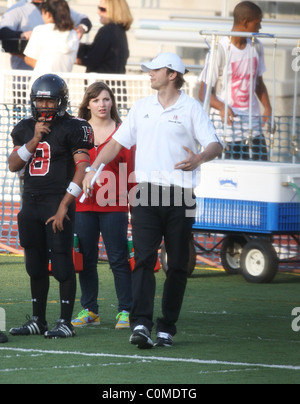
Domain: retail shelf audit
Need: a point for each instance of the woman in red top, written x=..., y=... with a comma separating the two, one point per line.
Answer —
x=105, y=211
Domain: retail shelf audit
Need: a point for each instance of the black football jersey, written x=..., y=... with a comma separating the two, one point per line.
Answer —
x=52, y=167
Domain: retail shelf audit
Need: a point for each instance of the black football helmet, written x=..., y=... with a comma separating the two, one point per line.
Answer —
x=49, y=86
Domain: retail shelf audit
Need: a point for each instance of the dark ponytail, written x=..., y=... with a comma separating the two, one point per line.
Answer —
x=60, y=11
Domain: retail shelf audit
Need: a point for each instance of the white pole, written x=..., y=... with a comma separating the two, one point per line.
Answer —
x=212, y=60
x=227, y=57
x=273, y=101
x=294, y=136
x=250, y=137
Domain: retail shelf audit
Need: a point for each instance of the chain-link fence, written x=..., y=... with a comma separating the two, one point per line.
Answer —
x=281, y=145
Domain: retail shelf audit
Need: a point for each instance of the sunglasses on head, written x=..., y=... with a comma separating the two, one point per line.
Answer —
x=102, y=9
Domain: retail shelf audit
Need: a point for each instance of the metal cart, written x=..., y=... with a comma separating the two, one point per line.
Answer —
x=248, y=204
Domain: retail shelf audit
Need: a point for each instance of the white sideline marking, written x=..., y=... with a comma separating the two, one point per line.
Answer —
x=154, y=358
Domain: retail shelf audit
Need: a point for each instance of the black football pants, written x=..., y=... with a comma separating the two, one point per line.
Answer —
x=41, y=244
x=149, y=225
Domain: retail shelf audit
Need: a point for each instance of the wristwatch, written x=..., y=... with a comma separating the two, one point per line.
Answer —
x=90, y=168
x=84, y=27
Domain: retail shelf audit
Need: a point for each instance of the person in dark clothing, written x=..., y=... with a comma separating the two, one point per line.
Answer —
x=108, y=53
x=53, y=149
x=7, y=33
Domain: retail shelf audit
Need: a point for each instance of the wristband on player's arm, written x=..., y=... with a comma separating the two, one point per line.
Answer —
x=24, y=154
x=74, y=189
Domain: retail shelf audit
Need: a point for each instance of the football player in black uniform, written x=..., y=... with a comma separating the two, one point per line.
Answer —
x=52, y=149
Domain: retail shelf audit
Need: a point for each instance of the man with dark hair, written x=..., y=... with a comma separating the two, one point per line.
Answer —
x=239, y=135
x=48, y=147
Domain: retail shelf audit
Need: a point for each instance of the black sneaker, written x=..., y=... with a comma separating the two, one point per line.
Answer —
x=32, y=327
x=62, y=329
x=164, y=339
x=141, y=337
x=3, y=338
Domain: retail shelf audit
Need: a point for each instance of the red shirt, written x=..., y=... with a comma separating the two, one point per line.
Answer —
x=112, y=196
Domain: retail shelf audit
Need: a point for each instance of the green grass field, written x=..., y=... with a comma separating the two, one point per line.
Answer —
x=229, y=331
